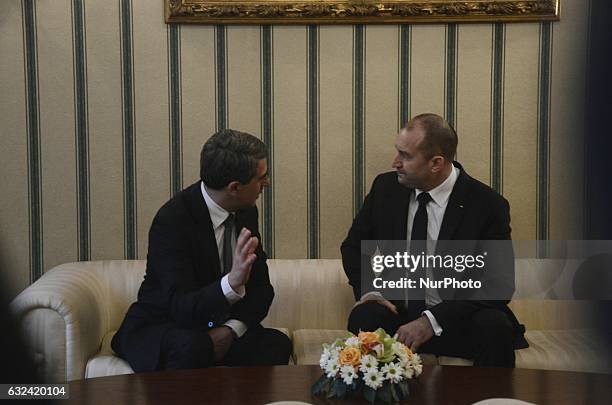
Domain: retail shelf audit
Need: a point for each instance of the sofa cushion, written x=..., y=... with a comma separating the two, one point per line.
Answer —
x=569, y=350
x=309, y=294
x=102, y=366
x=105, y=362
x=308, y=343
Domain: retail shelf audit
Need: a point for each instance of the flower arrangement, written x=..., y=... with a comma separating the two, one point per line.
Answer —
x=371, y=364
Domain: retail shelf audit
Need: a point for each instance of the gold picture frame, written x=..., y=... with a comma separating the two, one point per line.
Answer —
x=358, y=11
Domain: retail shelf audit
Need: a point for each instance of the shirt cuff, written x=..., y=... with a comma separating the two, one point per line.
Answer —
x=230, y=295
x=237, y=326
x=434, y=324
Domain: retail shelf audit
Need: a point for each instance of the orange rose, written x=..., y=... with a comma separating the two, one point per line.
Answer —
x=368, y=340
x=350, y=356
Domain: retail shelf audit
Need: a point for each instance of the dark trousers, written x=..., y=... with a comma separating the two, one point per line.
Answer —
x=488, y=337
x=193, y=348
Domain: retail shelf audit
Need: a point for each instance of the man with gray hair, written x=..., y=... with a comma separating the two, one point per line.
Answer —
x=206, y=287
x=429, y=197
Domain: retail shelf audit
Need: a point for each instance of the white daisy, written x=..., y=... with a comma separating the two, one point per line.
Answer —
x=332, y=368
x=325, y=356
x=418, y=369
x=408, y=371
x=416, y=364
x=348, y=374
x=368, y=363
x=352, y=341
x=398, y=349
x=393, y=372
x=373, y=379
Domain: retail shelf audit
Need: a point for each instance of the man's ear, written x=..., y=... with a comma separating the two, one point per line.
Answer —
x=232, y=187
x=437, y=163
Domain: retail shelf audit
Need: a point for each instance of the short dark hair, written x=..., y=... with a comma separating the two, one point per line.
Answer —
x=230, y=155
x=440, y=138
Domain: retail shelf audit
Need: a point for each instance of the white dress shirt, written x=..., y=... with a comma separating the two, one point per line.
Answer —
x=218, y=215
x=435, y=215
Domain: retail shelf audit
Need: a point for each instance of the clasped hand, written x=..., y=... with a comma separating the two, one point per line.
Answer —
x=222, y=338
x=378, y=299
x=414, y=334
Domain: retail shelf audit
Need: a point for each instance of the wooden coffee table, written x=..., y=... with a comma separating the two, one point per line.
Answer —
x=260, y=385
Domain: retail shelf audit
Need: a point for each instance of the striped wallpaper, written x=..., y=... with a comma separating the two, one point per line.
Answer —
x=104, y=109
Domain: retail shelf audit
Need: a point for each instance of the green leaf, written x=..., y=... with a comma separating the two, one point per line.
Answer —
x=321, y=385
x=394, y=394
x=339, y=343
x=331, y=392
x=338, y=389
x=404, y=389
x=388, y=342
x=369, y=394
x=388, y=357
x=358, y=384
x=381, y=334
x=384, y=393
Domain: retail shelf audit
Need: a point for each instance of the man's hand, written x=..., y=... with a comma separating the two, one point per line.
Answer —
x=375, y=298
x=415, y=333
x=222, y=338
x=244, y=257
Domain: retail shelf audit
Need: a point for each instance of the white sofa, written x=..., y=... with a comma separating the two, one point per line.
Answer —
x=71, y=313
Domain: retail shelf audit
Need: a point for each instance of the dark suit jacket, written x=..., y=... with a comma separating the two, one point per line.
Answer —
x=475, y=212
x=182, y=284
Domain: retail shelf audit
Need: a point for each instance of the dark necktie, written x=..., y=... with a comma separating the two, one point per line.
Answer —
x=418, y=236
x=228, y=252
x=418, y=244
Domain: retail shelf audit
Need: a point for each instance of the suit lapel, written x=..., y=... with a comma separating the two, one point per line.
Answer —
x=399, y=204
x=455, y=209
x=205, y=234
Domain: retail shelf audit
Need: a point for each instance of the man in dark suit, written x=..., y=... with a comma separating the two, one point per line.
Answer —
x=206, y=287
x=430, y=198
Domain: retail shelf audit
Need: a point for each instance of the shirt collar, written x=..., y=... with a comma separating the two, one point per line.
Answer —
x=442, y=192
x=218, y=214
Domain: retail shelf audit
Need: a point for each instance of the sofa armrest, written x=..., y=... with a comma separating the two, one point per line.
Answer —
x=62, y=320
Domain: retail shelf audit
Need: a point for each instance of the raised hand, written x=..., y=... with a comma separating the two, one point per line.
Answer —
x=244, y=257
